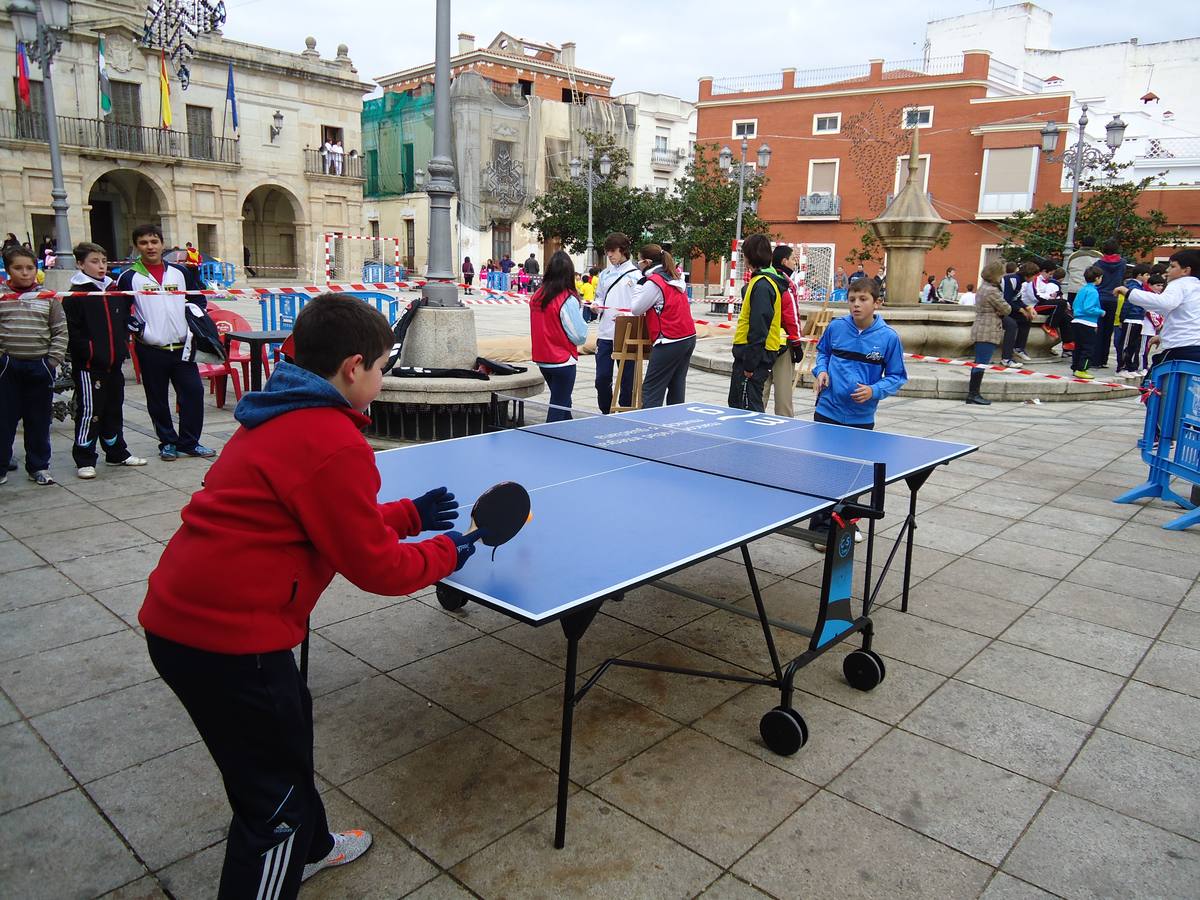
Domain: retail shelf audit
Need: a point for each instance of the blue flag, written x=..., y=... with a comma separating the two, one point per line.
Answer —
x=231, y=97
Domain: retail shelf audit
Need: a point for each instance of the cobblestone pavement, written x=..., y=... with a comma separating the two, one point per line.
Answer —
x=1038, y=733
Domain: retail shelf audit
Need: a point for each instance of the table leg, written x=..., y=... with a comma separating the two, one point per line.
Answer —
x=914, y=482
x=573, y=627
x=256, y=351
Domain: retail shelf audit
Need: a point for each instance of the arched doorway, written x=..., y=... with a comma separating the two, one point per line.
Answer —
x=269, y=243
x=121, y=200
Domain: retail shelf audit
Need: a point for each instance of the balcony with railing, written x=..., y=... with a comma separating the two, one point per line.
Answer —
x=825, y=206
x=664, y=159
x=116, y=138
x=349, y=165
x=914, y=68
x=1167, y=148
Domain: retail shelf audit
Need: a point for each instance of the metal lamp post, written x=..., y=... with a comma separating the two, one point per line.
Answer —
x=725, y=158
x=1082, y=154
x=576, y=172
x=37, y=24
x=440, y=289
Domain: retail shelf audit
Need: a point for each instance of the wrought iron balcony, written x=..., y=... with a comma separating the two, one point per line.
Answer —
x=114, y=137
x=351, y=165
x=821, y=205
x=664, y=158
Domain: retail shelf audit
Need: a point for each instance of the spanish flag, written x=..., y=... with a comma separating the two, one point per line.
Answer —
x=164, y=91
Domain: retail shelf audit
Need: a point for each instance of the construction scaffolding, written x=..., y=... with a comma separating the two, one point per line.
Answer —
x=397, y=130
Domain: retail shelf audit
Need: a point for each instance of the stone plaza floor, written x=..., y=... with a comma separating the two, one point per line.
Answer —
x=1038, y=733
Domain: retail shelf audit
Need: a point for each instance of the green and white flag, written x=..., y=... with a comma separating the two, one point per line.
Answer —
x=105, y=87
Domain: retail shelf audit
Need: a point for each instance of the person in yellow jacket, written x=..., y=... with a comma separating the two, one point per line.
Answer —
x=759, y=335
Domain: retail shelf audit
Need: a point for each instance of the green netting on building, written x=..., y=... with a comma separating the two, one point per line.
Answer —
x=397, y=130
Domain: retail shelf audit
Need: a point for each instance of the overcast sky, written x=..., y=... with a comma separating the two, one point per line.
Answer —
x=663, y=46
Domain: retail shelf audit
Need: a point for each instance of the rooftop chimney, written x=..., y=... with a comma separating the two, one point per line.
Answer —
x=466, y=42
x=566, y=55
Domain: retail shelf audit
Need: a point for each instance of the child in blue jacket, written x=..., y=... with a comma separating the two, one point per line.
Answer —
x=1086, y=322
x=859, y=362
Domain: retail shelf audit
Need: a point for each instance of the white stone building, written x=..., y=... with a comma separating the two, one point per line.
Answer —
x=665, y=136
x=1153, y=86
x=263, y=188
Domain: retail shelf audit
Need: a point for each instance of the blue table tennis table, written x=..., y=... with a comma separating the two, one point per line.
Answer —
x=674, y=465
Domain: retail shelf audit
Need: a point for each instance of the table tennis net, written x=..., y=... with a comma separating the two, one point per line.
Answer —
x=785, y=468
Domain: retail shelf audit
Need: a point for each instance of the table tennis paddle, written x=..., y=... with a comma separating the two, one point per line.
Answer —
x=500, y=512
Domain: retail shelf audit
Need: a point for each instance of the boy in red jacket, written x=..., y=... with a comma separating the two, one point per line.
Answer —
x=290, y=502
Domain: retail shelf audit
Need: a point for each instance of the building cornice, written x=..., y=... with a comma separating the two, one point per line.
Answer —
x=1014, y=97
x=504, y=59
x=848, y=92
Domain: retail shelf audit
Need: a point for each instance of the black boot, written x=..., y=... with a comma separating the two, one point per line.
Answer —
x=973, y=395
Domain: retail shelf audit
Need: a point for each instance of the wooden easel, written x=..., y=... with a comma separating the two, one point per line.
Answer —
x=631, y=346
x=814, y=326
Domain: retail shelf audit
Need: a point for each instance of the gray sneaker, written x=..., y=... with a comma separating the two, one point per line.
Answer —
x=347, y=847
x=41, y=477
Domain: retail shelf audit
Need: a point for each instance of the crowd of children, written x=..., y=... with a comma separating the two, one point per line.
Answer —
x=145, y=306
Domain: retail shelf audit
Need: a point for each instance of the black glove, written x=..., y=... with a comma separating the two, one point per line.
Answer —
x=797, y=349
x=437, y=509
x=465, y=548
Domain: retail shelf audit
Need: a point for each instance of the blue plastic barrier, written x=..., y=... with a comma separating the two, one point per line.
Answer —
x=279, y=311
x=1170, y=441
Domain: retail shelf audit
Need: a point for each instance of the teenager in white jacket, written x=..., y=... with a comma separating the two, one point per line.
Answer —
x=614, y=297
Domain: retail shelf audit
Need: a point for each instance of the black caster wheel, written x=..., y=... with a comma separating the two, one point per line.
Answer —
x=450, y=598
x=864, y=670
x=783, y=730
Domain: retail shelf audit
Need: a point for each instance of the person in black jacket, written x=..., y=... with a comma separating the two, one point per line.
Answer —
x=97, y=336
x=759, y=335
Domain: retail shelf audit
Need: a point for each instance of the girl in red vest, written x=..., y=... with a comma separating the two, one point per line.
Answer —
x=557, y=329
x=661, y=296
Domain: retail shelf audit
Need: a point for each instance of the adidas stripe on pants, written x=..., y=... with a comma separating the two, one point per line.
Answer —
x=254, y=713
x=99, y=399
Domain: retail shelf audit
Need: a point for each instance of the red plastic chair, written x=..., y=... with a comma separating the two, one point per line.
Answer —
x=217, y=375
x=227, y=321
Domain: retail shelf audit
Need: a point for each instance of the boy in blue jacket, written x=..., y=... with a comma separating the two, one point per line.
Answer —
x=859, y=362
x=1085, y=325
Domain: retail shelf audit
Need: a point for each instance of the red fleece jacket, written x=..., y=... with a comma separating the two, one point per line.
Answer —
x=288, y=503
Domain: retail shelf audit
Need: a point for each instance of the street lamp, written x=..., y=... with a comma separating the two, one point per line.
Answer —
x=1082, y=154
x=440, y=289
x=725, y=159
x=576, y=172
x=37, y=24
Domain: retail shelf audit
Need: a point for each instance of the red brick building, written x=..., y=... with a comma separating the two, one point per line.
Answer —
x=840, y=149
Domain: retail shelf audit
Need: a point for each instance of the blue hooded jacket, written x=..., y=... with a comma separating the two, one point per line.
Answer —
x=873, y=357
x=289, y=388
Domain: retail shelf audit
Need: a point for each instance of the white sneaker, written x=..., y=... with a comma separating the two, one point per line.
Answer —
x=1010, y=364
x=128, y=461
x=86, y=472
x=347, y=847
x=859, y=537
x=1021, y=354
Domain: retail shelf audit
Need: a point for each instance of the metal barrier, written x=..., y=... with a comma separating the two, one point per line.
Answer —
x=279, y=311
x=1170, y=442
x=374, y=272
x=222, y=274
